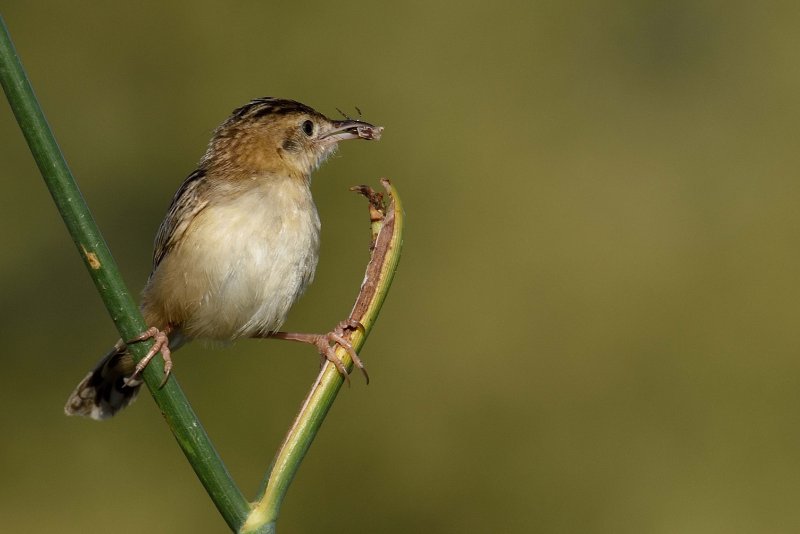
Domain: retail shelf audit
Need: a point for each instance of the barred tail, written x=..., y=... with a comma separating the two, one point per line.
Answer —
x=103, y=392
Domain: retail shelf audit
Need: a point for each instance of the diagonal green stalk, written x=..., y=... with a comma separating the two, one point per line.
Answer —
x=387, y=228
x=104, y=272
x=387, y=225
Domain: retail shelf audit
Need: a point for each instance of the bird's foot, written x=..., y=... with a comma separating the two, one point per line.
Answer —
x=326, y=344
x=161, y=344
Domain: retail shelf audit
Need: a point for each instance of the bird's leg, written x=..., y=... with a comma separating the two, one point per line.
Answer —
x=326, y=344
x=161, y=344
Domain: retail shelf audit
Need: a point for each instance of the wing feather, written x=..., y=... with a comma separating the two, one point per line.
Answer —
x=185, y=206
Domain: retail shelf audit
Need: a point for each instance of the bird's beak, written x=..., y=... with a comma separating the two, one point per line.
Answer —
x=351, y=129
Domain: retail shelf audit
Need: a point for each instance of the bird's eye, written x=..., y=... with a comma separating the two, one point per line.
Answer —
x=308, y=128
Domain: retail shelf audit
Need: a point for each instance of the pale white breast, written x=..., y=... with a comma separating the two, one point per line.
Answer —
x=243, y=263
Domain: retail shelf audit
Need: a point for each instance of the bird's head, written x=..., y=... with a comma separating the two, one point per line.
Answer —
x=282, y=137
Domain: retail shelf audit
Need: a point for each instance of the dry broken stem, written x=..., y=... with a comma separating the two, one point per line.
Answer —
x=386, y=219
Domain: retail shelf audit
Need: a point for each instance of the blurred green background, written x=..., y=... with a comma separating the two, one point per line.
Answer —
x=593, y=328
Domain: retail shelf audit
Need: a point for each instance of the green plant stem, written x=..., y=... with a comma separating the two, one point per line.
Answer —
x=387, y=225
x=104, y=272
x=387, y=228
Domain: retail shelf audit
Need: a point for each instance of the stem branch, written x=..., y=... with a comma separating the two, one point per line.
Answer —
x=104, y=272
x=387, y=231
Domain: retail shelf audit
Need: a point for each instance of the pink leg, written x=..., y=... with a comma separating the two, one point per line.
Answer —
x=161, y=345
x=326, y=344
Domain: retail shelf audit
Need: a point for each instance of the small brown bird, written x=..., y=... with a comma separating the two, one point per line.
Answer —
x=238, y=246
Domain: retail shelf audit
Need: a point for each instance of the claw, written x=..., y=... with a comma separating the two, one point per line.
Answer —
x=327, y=351
x=326, y=344
x=337, y=337
x=161, y=344
x=350, y=324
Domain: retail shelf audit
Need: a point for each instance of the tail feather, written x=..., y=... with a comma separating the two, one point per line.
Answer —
x=104, y=392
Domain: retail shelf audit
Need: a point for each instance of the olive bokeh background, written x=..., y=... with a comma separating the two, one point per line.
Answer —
x=594, y=324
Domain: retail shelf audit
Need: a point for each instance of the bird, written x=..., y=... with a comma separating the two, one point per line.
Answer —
x=237, y=248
